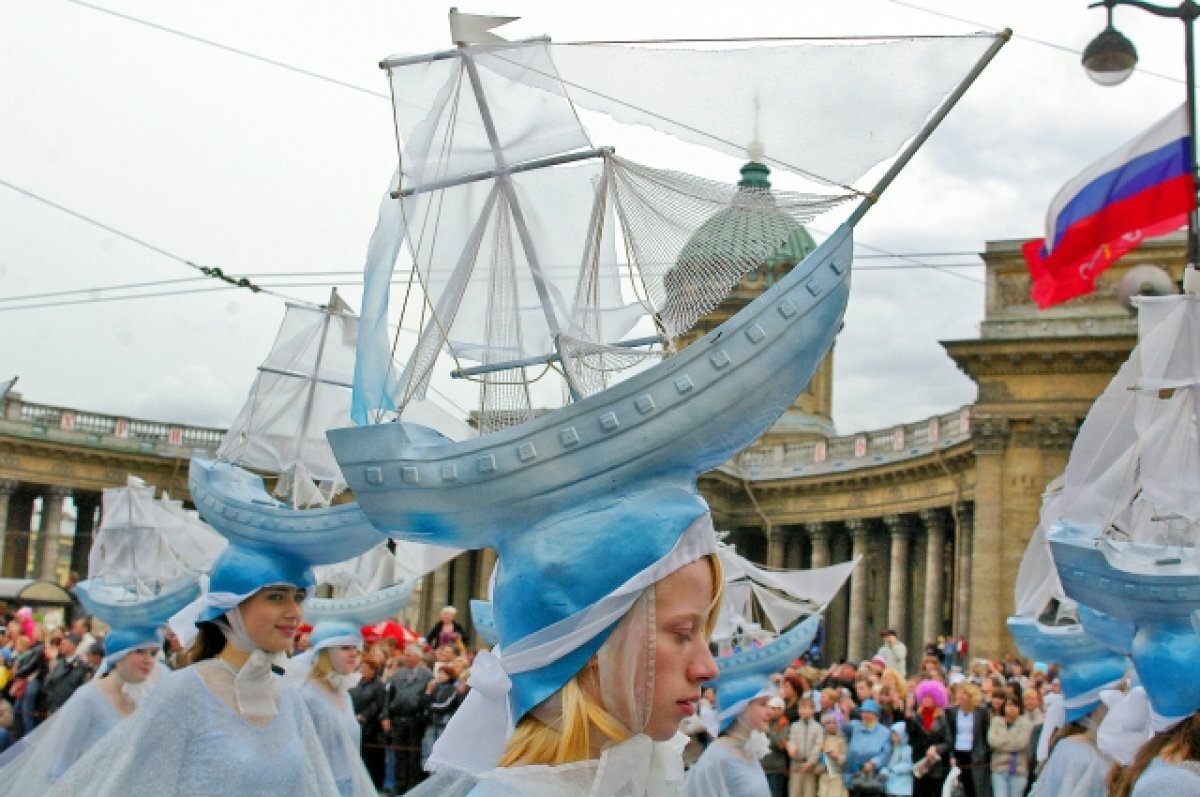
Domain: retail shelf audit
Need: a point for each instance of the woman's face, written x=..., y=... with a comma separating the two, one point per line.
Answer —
x=272, y=615
x=1031, y=700
x=1012, y=710
x=788, y=691
x=757, y=715
x=136, y=665
x=344, y=659
x=963, y=699
x=682, y=661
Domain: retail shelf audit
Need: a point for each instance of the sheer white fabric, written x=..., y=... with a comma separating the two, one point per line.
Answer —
x=339, y=734
x=638, y=767
x=724, y=771
x=47, y=753
x=1075, y=768
x=1126, y=726
x=379, y=568
x=186, y=741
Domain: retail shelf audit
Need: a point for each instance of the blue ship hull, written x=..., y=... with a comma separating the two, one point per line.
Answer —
x=668, y=424
x=1155, y=592
x=235, y=503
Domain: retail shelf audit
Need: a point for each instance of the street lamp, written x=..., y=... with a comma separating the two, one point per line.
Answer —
x=1110, y=58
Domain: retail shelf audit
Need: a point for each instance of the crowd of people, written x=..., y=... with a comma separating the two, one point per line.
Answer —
x=854, y=728
x=403, y=699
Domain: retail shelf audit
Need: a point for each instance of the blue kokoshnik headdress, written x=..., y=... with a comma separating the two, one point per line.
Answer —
x=134, y=622
x=258, y=554
x=746, y=675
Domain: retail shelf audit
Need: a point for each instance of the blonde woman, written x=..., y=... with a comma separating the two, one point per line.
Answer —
x=969, y=722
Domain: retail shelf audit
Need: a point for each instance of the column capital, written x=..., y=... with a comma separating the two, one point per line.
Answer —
x=776, y=533
x=57, y=491
x=1055, y=432
x=817, y=530
x=933, y=518
x=858, y=526
x=965, y=511
x=898, y=525
x=8, y=487
x=989, y=433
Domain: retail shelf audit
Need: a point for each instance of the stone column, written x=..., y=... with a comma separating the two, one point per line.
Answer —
x=898, y=527
x=50, y=532
x=962, y=602
x=818, y=534
x=857, y=643
x=86, y=503
x=776, y=542
x=20, y=523
x=935, y=536
x=487, y=563
x=7, y=488
x=988, y=633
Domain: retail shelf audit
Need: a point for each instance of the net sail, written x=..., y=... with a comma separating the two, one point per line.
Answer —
x=535, y=248
x=302, y=389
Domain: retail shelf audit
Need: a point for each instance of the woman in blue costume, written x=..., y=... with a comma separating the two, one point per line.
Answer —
x=329, y=670
x=603, y=613
x=223, y=725
x=730, y=766
x=127, y=675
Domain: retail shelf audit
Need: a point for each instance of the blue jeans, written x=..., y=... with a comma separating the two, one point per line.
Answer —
x=29, y=719
x=1006, y=785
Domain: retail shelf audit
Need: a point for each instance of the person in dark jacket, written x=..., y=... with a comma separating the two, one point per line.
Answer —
x=369, y=699
x=930, y=738
x=448, y=632
x=968, y=722
x=69, y=673
x=31, y=667
x=407, y=716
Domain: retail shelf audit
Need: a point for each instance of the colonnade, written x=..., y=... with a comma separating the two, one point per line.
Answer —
x=914, y=575
x=44, y=552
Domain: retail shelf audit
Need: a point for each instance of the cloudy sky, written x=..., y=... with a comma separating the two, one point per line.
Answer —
x=255, y=136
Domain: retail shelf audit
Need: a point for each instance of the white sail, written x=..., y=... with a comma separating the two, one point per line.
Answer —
x=302, y=389
x=526, y=241
x=380, y=567
x=144, y=543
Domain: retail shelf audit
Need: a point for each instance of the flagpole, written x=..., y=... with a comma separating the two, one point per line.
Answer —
x=1110, y=58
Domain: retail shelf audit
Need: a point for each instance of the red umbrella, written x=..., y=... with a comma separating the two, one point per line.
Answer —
x=390, y=628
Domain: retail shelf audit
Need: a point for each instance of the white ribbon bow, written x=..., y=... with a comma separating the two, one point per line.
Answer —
x=756, y=745
x=343, y=683
x=641, y=767
x=1126, y=727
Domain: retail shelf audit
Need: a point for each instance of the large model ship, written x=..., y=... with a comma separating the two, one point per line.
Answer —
x=536, y=253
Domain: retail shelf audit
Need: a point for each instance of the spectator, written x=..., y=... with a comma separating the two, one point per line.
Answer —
x=448, y=632
x=406, y=717
x=442, y=699
x=929, y=734
x=830, y=781
x=804, y=749
x=7, y=720
x=869, y=742
x=68, y=673
x=29, y=677
x=776, y=763
x=969, y=729
x=369, y=698
x=1008, y=736
x=899, y=769
x=894, y=652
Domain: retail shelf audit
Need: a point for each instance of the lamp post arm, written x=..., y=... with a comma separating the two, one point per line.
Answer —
x=1188, y=10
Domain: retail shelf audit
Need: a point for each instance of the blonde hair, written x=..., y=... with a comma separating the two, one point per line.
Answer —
x=901, y=686
x=322, y=667
x=536, y=742
x=974, y=692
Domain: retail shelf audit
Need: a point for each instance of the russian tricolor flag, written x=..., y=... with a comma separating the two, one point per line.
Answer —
x=1145, y=188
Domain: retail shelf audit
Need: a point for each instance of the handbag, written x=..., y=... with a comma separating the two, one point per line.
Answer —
x=867, y=784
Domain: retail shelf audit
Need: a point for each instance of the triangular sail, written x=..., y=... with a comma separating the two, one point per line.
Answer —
x=302, y=389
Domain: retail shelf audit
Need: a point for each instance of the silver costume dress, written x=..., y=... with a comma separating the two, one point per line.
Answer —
x=41, y=758
x=339, y=734
x=186, y=741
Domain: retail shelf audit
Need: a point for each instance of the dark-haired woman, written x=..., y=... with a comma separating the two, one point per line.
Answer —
x=222, y=725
